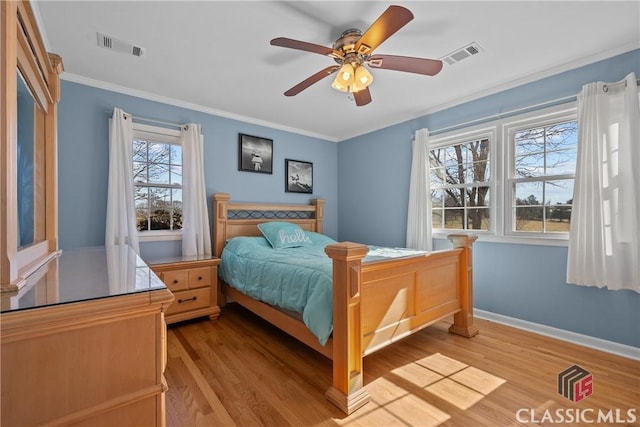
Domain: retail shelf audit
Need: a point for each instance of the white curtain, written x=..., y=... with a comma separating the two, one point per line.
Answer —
x=419, y=211
x=604, y=234
x=121, y=214
x=196, y=239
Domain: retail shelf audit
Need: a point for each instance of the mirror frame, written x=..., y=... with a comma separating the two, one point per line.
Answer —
x=23, y=50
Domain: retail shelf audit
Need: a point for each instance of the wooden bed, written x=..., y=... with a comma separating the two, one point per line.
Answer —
x=374, y=303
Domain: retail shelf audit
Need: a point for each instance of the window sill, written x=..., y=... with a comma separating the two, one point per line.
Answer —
x=518, y=240
x=159, y=236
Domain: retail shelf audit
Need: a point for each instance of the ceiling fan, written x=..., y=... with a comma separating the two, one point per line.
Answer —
x=354, y=49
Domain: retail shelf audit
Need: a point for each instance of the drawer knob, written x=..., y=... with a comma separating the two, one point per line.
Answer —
x=175, y=281
x=180, y=301
x=199, y=277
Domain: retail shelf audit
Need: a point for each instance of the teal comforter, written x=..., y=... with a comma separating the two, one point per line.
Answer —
x=296, y=279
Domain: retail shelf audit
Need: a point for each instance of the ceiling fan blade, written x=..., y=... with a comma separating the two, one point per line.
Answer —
x=391, y=20
x=428, y=67
x=311, y=80
x=362, y=97
x=300, y=45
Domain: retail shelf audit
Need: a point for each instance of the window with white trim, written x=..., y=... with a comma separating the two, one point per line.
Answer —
x=157, y=171
x=461, y=182
x=540, y=175
x=507, y=180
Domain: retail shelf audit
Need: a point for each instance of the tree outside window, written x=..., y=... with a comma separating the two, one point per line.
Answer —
x=157, y=170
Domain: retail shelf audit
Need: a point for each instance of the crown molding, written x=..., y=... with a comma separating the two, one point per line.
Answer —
x=99, y=84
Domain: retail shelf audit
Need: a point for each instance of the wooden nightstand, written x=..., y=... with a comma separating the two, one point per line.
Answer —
x=194, y=283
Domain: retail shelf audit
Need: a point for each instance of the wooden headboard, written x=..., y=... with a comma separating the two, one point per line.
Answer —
x=242, y=219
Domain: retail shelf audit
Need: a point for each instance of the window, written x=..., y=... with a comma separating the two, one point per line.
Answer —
x=541, y=175
x=508, y=180
x=157, y=171
x=461, y=184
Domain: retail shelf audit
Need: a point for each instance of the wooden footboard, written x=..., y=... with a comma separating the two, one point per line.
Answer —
x=377, y=303
x=374, y=303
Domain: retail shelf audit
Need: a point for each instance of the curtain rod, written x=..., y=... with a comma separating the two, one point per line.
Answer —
x=510, y=113
x=145, y=119
x=505, y=114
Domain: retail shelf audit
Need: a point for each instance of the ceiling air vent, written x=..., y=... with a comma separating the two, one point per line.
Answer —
x=112, y=43
x=462, y=53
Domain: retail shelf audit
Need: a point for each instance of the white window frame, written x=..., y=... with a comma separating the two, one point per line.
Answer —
x=459, y=137
x=169, y=136
x=502, y=164
x=535, y=119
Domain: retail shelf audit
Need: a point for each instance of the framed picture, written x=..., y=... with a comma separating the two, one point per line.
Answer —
x=255, y=154
x=298, y=176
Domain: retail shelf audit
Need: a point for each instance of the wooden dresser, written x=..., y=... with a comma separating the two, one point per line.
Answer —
x=83, y=343
x=194, y=283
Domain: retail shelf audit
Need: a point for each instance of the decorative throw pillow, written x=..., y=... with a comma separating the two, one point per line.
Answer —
x=284, y=234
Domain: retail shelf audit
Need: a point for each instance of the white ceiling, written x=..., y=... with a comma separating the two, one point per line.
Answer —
x=215, y=56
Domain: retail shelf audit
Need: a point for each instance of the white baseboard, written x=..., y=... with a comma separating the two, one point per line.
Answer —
x=572, y=337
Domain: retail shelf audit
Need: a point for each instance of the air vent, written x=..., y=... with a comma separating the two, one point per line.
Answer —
x=112, y=43
x=462, y=53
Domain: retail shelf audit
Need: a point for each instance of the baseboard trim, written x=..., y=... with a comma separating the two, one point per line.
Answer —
x=572, y=337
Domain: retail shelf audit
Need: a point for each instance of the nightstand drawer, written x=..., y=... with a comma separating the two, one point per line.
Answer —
x=199, y=277
x=191, y=299
x=176, y=280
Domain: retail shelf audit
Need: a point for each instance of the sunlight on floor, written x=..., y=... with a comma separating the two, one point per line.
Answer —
x=416, y=393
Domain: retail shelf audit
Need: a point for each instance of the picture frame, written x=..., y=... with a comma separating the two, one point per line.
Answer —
x=298, y=176
x=255, y=154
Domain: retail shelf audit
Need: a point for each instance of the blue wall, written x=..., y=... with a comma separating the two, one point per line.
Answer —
x=83, y=149
x=365, y=182
x=522, y=281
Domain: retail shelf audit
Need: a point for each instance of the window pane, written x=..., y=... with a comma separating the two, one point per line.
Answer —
x=437, y=198
x=142, y=208
x=453, y=218
x=562, y=136
x=176, y=196
x=456, y=174
x=529, y=219
x=478, y=196
x=478, y=218
x=454, y=198
x=159, y=153
x=562, y=162
x=159, y=173
x=176, y=175
x=139, y=151
x=139, y=172
x=453, y=155
x=558, y=192
x=528, y=193
x=436, y=157
x=479, y=172
x=436, y=176
x=530, y=165
x=557, y=219
x=436, y=218
x=529, y=141
x=160, y=207
x=176, y=154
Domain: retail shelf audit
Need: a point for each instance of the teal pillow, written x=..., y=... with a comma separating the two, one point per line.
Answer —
x=284, y=234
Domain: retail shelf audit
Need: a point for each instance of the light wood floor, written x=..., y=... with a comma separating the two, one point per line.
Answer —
x=240, y=371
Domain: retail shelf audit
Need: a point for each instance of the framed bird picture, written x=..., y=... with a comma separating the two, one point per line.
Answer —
x=298, y=176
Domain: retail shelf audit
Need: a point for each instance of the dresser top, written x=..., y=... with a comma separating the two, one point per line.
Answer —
x=83, y=274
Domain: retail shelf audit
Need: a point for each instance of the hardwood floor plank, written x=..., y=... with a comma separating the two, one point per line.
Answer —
x=241, y=371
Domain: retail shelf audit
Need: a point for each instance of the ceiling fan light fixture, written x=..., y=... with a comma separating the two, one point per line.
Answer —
x=344, y=79
x=363, y=78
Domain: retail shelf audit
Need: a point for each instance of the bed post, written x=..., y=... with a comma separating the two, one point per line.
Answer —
x=319, y=216
x=220, y=201
x=347, y=391
x=463, y=320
